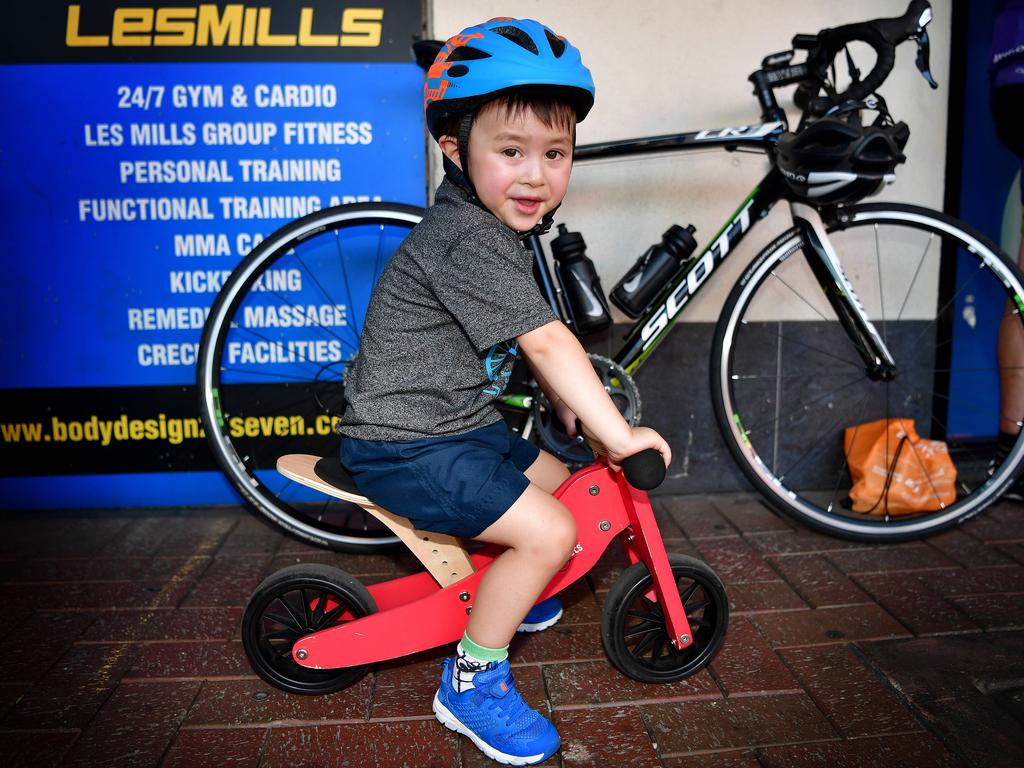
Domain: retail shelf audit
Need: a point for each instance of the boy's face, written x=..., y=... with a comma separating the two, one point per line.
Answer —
x=519, y=166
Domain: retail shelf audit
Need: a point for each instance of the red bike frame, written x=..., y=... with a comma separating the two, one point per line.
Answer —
x=415, y=613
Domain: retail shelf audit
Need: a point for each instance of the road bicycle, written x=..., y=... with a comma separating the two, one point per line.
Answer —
x=314, y=629
x=811, y=340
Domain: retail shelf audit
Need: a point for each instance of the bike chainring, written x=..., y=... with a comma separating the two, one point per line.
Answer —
x=574, y=450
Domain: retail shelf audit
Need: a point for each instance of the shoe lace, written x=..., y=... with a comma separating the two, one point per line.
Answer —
x=517, y=715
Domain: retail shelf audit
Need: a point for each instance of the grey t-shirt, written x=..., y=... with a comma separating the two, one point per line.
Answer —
x=439, y=339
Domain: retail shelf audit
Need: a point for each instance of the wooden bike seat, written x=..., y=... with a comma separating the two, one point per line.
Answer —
x=442, y=555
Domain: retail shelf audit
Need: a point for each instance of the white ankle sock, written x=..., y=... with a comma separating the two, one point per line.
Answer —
x=465, y=668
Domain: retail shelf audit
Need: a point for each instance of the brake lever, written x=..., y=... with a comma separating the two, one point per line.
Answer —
x=922, y=57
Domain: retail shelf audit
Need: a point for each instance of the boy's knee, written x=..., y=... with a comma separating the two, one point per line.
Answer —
x=560, y=538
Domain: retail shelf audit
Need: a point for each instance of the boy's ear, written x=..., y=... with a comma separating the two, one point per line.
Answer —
x=450, y=146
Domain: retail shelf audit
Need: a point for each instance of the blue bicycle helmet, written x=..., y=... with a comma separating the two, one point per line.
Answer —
x=486, y=60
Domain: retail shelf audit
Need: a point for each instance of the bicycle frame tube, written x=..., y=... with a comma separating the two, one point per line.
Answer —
x=652, y=326
x=663, y=313
x=824, y=263
x=756, y=136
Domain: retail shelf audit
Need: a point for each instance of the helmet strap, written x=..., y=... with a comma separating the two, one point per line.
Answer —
x=460, y=176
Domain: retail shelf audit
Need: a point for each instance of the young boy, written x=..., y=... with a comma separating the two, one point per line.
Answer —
x=452, y=311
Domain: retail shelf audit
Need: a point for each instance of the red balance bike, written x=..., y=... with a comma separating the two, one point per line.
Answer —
x=314, y=629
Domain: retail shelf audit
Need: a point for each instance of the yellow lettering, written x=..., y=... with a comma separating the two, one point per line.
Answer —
x=210, y=24
x=306, y=36
x=74, y=40
x=214, y=30
x=361, y=27
x=132, y=27
x=175, y=26
x=249, y=28
x=263, y=36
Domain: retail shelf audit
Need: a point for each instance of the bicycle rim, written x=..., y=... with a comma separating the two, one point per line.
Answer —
x=273, y=357
x=787, y=381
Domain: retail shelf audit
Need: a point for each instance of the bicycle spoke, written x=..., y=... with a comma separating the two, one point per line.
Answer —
x=791, y=340
x=348, y=290
x=285, y=301
x=917, y=270
x=289, y=621
x=297, y=621
x=684, y=596
x=645, y=642
x=825, y=434
x=799, y=296
x=832, y=393
x=641, y=629
x=981, y=269
x=285, y=635
x=881, y=288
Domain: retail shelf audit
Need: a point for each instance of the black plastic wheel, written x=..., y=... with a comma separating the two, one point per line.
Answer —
x=633, y=626
x=290, y=604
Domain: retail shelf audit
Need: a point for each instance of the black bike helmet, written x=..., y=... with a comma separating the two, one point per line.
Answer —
x=838, y=160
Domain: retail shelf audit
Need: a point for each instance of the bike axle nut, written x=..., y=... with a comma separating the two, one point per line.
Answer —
x=684, y=639
x=301, y=654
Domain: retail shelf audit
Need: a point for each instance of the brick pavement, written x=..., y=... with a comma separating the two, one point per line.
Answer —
x=121, y=647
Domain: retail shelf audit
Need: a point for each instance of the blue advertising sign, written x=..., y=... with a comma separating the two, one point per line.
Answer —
x=136, y=174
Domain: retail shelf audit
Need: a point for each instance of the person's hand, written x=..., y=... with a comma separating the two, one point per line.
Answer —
x=638, y=439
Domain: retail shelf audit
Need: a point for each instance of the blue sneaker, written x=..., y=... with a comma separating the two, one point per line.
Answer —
x=542, y=615
x=495, y=717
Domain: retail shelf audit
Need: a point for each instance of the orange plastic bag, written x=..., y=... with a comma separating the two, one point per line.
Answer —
x=895, y=472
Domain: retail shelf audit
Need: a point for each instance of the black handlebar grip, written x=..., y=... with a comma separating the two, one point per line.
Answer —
x=883, y=35
x=883, y=66
x=645, y=470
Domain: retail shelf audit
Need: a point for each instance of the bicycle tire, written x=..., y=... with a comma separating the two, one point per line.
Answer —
x=776, y=410
x=272, y=358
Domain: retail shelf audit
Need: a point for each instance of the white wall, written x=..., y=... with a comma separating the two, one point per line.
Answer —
x=669, y=67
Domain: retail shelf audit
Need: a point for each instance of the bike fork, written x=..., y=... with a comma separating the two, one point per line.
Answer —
x=824, y=263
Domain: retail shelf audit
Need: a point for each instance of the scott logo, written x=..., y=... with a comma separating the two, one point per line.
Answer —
x=696, y=276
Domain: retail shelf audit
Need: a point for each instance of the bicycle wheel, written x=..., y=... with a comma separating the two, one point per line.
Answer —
x=273, y=356
x=634, y=629
x=290, y=604
x=787, y=380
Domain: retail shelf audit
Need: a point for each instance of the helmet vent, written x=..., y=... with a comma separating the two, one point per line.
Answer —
x=517, y=36
x=458, y=70
x=557, y=46
x=465, y=53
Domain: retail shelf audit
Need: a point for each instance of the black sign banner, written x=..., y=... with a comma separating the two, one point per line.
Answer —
x=92, y=31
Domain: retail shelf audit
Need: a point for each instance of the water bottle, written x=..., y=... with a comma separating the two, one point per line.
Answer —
x=581, y=287
x=634, y=292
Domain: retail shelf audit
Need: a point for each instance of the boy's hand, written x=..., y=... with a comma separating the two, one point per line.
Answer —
x=640, y=438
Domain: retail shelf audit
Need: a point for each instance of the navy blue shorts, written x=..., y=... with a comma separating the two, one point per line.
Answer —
x=455, y=484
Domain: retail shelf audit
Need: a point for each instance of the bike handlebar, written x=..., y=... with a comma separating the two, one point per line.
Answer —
x=883, y=35
x=644, y=470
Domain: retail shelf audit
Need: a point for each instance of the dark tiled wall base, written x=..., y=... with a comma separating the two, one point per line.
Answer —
x=675, y=391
